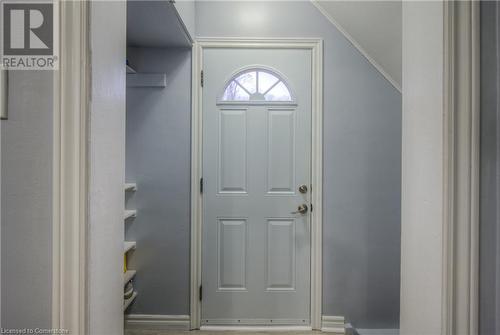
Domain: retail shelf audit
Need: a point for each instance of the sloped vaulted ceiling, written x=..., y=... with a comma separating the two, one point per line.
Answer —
x=374, y=27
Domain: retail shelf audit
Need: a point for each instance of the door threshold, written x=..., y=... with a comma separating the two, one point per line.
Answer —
x=280, y=328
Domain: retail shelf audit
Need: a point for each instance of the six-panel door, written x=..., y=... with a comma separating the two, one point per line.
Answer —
x=256, y=154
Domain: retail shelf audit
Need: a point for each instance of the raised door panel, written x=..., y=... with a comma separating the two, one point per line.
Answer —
x=232, y=251
x=232, y=169
x=281, y=254
x=281, y=152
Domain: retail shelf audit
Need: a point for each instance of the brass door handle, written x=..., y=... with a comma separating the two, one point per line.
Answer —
x=302, y=209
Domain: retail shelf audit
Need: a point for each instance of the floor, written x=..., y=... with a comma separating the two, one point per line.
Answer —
x=198, y=332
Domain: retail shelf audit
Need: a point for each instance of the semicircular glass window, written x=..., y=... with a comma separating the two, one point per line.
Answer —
x=256, y=85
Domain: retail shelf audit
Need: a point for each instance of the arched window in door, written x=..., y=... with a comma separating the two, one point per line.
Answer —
x=257, y=85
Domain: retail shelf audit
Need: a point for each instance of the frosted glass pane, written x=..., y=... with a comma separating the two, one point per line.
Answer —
x=266, y=80
x=279, y=93
x=234, y=92
x=249, y=81
x=257, y=85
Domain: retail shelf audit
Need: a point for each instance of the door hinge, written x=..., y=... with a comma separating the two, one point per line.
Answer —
x=201, y=185
x=201, y=292
x=312, y=208
x=202, y=79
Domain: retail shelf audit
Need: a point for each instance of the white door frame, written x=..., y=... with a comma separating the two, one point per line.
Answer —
x=70, y=135
x=440, y=170
x=462, y=158
x=316, y=47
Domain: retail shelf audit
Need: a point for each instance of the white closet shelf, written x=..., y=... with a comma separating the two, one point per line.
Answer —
x=127, y=276
x=152, y=80
x=129, y=213
x=128, y=301
x=128, y=245
x=130, y=187
x=129, y=69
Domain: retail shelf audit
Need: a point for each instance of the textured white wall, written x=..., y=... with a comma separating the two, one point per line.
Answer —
x=422, y=168
x=107, y=167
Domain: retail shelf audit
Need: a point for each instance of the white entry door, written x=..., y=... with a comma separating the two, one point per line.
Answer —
x=256, y=186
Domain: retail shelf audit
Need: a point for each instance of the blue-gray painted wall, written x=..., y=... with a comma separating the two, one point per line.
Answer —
x=489, y=287
x=26, y=197
x=158, y=159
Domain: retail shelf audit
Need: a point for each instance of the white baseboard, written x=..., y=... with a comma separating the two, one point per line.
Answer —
x=333, y=324
x=157, y=322
x=378, y=331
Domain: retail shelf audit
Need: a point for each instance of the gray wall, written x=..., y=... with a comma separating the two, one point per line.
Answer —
x=158, y=160
x=362, y=158
x=107, y=167
x=186, y=10
x=490, y=170
x=26, y=193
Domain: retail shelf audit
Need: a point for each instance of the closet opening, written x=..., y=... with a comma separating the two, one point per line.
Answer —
x=157, y=161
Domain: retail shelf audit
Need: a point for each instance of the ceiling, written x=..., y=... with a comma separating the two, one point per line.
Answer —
x=374, y=27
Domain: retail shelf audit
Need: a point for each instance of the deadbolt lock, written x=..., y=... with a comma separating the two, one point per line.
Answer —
x=303, y=188
x=302, y=209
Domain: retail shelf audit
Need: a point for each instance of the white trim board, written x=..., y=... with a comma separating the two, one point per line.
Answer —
x=70, y=166
x=316, y=47
x=157, y=322
x=333, y=324
x=462, y=146
x=440, y=168
x=363, y=52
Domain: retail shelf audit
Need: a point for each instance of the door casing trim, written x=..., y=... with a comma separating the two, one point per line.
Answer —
x=460, y=296
x=316, y=47
x=70, y=169
x=452, y=277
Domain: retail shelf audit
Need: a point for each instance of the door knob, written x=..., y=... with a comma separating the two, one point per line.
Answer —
x=302, y=209
x=303, y=188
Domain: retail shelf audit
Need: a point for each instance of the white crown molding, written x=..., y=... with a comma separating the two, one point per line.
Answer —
x=157, y=322
x=341, y=29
